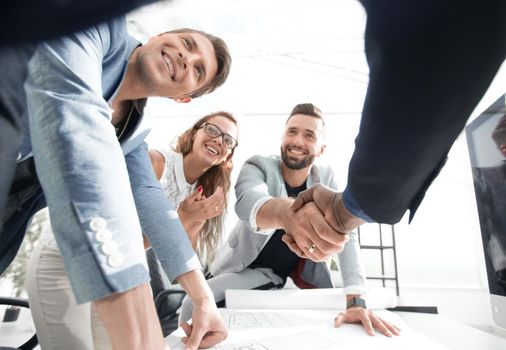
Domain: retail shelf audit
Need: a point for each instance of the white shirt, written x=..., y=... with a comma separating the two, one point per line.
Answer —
x=173, y=181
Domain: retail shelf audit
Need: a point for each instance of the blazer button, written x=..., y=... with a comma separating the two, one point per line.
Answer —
x=98, y=223
x=115, y=259
x=103, y=236
x=19, y=156
x=109, y=247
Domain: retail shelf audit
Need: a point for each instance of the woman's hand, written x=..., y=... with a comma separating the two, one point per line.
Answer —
x=368, y=319
x=196, y=209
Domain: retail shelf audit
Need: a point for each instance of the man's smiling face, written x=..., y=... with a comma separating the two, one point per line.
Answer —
x=302, y=141
x=176, y=64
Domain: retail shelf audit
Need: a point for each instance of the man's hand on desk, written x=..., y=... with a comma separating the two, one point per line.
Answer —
x=207, y=328
x=368, y=319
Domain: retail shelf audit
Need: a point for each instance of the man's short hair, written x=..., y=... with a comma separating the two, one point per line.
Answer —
x=499, y=133
x=307, y=109
x=223, y=59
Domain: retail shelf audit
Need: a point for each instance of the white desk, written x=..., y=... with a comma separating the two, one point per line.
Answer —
x=452, y=334
x=443, y=331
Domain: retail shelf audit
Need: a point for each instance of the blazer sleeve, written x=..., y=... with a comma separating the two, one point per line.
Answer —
x=428, y=69
x=252, y=191
x=350, y=259
x=158, y=217
x=82, y=168
x=352, y=267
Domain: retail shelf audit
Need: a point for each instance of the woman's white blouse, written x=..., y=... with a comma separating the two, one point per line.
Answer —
x=173, y=181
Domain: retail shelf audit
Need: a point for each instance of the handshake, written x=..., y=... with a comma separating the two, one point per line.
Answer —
x=319, y=224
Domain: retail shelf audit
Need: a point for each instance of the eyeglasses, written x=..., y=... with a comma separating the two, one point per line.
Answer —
x=214, y=131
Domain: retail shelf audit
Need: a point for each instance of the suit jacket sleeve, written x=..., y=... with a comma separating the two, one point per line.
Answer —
x=81, y=166
x=350, y=259
x=252, y=191
x=158, y=217
x=47, y=19
x=428, y=70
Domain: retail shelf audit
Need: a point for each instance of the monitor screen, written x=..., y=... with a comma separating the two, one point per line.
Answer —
x=486, y=138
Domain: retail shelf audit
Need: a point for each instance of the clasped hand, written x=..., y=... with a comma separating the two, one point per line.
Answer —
x=320, y=224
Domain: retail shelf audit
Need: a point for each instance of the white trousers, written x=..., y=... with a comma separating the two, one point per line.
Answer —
x=61, y=324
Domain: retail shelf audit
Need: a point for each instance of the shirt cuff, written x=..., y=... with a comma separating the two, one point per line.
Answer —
x=253, y=217
x=356, y=289
x=351, y=204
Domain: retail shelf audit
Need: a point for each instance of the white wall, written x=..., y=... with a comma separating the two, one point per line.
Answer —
x=440, y=248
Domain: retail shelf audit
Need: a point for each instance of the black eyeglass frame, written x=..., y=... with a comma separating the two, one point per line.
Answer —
x=222, y=134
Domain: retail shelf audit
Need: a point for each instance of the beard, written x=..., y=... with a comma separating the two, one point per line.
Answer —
x=294, y=163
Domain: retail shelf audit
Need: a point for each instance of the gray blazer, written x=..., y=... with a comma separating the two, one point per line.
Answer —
x=71, y=82
x=260, y=179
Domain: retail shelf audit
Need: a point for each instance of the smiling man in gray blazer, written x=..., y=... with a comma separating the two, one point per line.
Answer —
x=256, y=257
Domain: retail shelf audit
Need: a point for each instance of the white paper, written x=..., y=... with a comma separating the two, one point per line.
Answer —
x=306, y=330
x=310, y=299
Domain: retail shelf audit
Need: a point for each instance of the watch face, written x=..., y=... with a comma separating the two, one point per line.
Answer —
x=356, y=301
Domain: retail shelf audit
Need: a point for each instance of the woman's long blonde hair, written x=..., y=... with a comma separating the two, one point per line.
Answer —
x=217, y=175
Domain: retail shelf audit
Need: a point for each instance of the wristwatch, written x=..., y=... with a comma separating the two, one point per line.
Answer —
x=356, y=301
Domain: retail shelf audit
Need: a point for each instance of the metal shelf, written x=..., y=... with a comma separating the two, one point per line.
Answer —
x=382, y=248
x=377, y=247
x=383, y=278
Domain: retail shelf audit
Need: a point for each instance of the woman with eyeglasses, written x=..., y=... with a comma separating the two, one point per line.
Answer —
x=195, y=175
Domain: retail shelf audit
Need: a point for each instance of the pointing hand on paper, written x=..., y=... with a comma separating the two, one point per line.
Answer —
x=369, y=320
x=207, y=328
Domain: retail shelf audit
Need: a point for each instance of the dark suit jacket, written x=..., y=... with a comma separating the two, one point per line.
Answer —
x=430, y=63
x=34, y=20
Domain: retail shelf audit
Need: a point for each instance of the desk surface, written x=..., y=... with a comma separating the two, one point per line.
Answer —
x=452, y=334
x=441, y=330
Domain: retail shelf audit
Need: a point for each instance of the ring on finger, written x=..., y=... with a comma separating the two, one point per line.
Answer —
x=311, y=249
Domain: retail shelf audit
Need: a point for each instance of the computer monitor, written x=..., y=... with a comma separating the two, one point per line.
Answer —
x=486, y=139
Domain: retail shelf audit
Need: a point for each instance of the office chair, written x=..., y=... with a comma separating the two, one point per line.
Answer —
x=30, y=343
x=167, y=297
x=167, y=303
